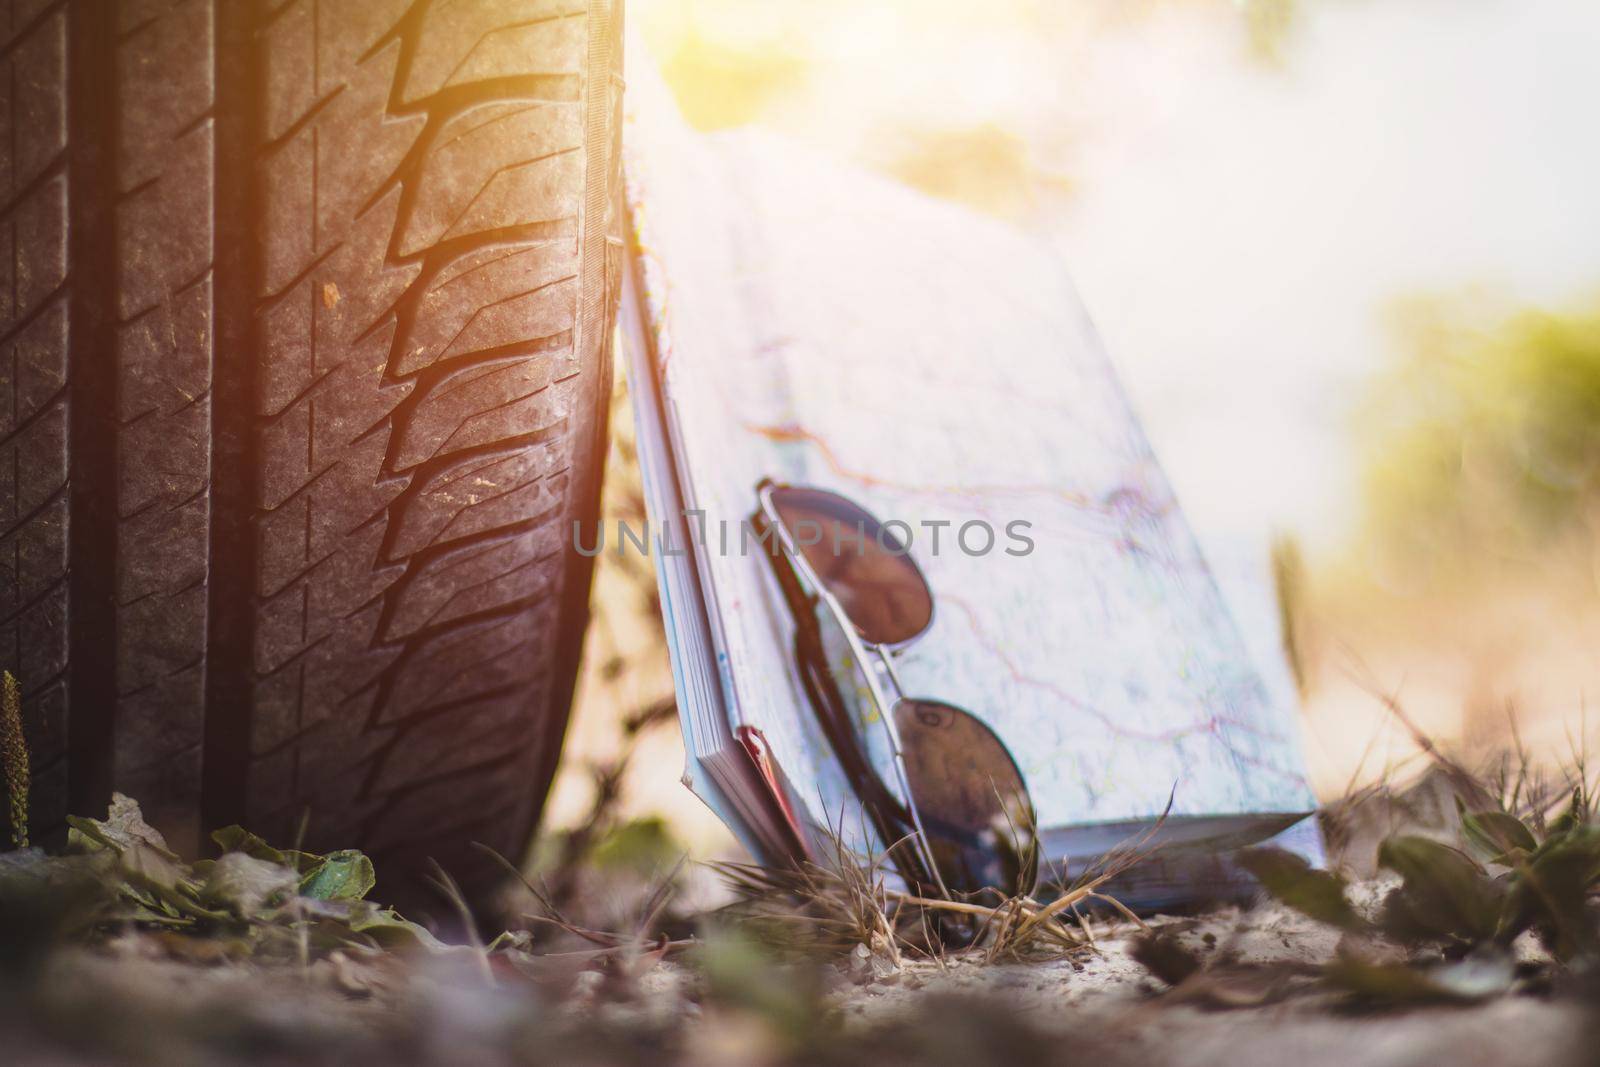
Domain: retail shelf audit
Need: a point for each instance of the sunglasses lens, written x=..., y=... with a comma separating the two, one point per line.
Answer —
x=863, y=564
x=971, y=799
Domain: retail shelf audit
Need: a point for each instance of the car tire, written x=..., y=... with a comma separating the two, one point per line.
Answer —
x=304, y=380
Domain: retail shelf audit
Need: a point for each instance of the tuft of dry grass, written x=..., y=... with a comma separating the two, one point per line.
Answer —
x=845, y=902
x=822, y=909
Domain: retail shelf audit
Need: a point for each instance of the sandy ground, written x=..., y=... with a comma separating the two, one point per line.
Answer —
x=1116, y=998
x=126, y=1003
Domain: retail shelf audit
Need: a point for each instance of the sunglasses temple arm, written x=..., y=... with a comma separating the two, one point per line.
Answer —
x=886, y=717
x=784, y=573
x=798, y=568
x=889, y=816
x=829, y=706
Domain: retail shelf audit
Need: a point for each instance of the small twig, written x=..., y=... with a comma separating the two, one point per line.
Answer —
x=1062, y=903
x=1084, y=925
x=594, y=937
x=1362, y=675
x=661, y=947
x=657, y=902
x=301, y=825
x=1127, y=913
x=981, y=910
x=552, y=915
x=447, y=885
x=1034, y=914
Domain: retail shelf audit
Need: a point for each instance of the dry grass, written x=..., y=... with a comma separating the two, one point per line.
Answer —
x=846, y=902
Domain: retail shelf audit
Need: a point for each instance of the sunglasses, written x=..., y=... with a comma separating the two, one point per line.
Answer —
x=961, y=822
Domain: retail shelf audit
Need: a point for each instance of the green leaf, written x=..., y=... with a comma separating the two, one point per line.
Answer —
x=1291, y=880
x=149, y=869
x=343, y=875
x=124, y=827
x=238, y=839
x=1399, y=984
x=1550, y=890
x=246, y=886
x=389, y=930
x=1444, y=893
x=1502, y=838
x=155, y=884
x=1575, y=815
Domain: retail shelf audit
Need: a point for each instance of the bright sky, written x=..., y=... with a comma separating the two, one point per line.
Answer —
x=1239, y=230
x=1236, y=226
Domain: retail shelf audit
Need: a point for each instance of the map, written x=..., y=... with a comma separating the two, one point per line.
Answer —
x=820, y=326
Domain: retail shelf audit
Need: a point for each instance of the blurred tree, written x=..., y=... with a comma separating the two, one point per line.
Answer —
x=1268, y=24
x=729, y=82
x=985, y=166
x=1483, y=447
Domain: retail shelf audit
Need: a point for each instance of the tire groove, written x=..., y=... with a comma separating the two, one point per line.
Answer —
x=469, y=52
x=231, y=622
x=22, y=35
x=472, y=319
x=421, y=784
x=92, y=379
x=52, y=170
x=45, y=409
x=64, y=489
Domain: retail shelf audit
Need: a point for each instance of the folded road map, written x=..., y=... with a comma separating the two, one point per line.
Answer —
x=794, y=319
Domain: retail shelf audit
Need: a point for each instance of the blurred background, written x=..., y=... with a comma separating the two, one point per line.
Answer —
x=1346, y=256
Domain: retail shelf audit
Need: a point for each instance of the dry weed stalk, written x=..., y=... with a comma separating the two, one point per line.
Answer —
x=14, y=755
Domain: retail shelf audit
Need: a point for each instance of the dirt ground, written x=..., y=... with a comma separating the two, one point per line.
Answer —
x=130, y=1001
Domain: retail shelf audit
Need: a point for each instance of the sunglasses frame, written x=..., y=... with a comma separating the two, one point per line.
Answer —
x=869, y=654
